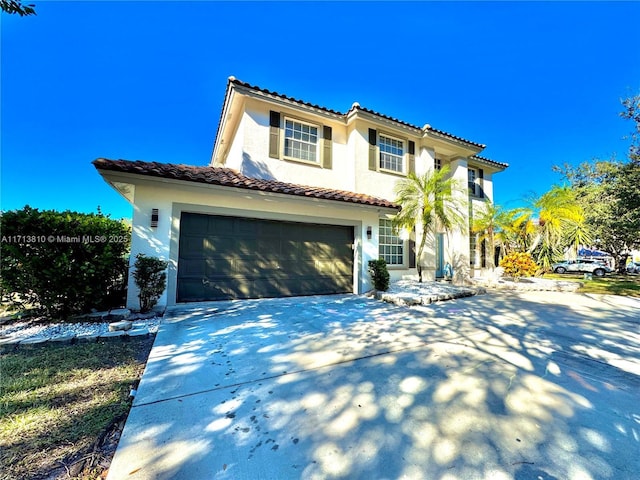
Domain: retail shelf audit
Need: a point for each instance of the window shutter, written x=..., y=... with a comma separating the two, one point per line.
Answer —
x=481, y=182
x=327, y=147
x=373, y=160
x=412, y=253
x=274, y=134
x=412, y=157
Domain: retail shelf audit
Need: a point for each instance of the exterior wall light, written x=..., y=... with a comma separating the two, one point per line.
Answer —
x=155, y=215
x=369, y=233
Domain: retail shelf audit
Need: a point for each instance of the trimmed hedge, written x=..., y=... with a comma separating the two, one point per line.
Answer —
x=63, y=262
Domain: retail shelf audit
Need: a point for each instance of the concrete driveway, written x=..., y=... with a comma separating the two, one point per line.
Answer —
x=533, y=386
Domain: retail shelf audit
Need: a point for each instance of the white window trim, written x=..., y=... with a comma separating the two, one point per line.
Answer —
x=403, y=158
x=318, y=160
x=404, y=249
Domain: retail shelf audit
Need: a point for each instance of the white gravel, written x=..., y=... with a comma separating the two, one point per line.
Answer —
x=29, y=329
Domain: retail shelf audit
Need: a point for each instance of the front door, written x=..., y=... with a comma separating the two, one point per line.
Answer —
x=439, y=255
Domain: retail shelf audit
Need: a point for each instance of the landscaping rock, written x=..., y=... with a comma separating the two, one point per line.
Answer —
x=121, y=325
x=112, y=336
x=87, y=338
x=63, y=339
x=118, y=314
x=139, y=332
x=32, y=342
x=97, y=316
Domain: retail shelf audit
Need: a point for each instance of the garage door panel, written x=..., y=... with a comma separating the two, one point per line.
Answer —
x=217, y=225
x=190, y=267
x=228, y=257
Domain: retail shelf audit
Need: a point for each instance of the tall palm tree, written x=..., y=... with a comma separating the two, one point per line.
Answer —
x=431, y=200
x=486, y=223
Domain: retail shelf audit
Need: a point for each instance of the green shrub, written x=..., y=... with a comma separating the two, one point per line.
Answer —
x=379, y=274
x=518, y=265
x=151, y=278
x=63, y=262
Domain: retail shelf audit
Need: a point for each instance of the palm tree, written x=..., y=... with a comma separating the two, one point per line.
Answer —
x=431, y=200
x=486, y=222
x=561, y=225
x=517, y=230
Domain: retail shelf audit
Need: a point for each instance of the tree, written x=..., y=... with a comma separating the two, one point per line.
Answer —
x=609, y=193
x=486, y=223
x=516, y=230
x=16, y=6
x=561, y=225
x=433, y=200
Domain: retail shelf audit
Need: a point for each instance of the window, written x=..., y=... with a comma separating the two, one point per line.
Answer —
x=391, y=153
x=473, y=247
x=300, y=140
x=437, y=164
x=390, y=245
x=472, y=181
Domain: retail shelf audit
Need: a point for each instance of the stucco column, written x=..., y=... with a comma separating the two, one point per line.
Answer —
x=457, y=243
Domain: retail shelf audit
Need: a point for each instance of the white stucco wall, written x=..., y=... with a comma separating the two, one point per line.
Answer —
x=249, y=152
x=147, y=240
x=172, y=198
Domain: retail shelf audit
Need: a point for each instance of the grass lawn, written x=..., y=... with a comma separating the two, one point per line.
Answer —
x=610, y=284
x=58, y=403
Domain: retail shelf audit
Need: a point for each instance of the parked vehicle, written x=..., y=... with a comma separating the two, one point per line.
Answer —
x=582, y=265
x=633, y=267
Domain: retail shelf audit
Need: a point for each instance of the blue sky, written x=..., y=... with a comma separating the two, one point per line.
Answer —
x=538, y=83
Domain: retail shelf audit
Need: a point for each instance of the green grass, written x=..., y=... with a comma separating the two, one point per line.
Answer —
x=56, y=402
x=610, y=284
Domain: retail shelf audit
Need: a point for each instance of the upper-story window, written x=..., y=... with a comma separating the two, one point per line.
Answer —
x=391, y=153
x=471, y=172
x=300, y=140
x=476, y=181
x=437, y=164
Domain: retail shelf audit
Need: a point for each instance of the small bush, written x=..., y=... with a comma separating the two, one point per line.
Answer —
x=151, y=279
x=379, y=274
x=518, y=265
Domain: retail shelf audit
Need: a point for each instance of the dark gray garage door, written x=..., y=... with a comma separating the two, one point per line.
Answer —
x=230, y=257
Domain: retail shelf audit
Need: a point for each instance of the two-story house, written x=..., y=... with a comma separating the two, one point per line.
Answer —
x=296, y=200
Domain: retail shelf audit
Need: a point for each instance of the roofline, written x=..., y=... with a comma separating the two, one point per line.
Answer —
x=136, y=168
x=487, y=161
x=247, y=88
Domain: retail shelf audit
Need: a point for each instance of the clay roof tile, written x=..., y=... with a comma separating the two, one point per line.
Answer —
x=228, y=177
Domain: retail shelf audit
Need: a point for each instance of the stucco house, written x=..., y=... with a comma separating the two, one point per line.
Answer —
x=296, y=200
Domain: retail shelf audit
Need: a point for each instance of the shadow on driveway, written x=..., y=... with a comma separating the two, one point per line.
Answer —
x=512, y=386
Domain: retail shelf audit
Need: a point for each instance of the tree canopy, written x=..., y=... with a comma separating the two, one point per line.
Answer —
x=17, y=7
x=609, y=193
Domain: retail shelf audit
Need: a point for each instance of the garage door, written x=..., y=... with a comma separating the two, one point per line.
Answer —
x=224, y=257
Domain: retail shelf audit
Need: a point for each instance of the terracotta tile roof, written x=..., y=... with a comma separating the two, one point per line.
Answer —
x=235, y=81
x=488, y=160
x=231, y=178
